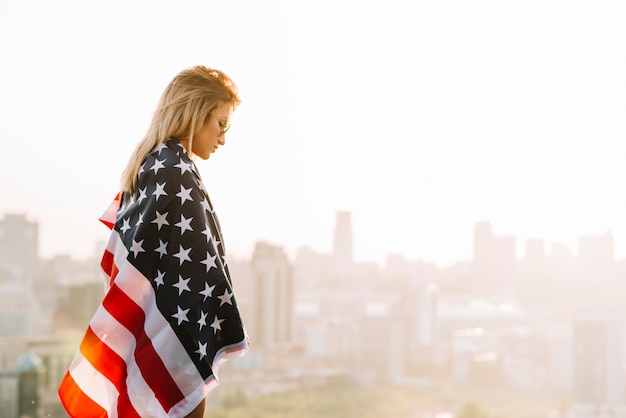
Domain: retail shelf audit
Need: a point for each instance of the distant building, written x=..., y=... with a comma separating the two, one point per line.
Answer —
x=494, y=257
x=534, y=263
x=270, y=298
x=19, y=308
x=382, y=341
x=343, y=247
x=598, y=381
x=18, y=243
x=596, y=255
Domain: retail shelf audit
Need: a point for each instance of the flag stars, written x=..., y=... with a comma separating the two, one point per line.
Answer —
x=202, y=321
x=159, y=278
x=159, y=191
x=207, y=292
x=201, y=350
x=142, y=194
x=182, y=285
x=160, y=220
x=183, y=255
x=184, y=167
x=184, y=224
x=215, y=242
x=161, y=148
x=210, y=261
x=206, y=206
x=181, y=315
x=207, y=232
x=184, y=194
x=217, y=324
x=225, y=298
x=126, y=225
x=158, y=164
x=137, y=248
x=162, y=250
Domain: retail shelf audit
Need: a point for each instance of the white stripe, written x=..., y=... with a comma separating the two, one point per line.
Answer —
x=94, y=384
x=122, y=342
x=165, y=342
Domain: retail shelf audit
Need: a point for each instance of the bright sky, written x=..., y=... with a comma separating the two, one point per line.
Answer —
x=419, y=117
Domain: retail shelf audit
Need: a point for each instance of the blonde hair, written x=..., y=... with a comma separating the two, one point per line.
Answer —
x=183, y=109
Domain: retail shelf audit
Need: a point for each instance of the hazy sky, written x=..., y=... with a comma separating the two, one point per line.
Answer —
x=419, y=117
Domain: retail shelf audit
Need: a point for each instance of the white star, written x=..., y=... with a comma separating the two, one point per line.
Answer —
x=160, y=220
x=162, y=250
x=142, y=194
x=140, y=220
x=217, y=324
x=202, y=320
x=207, y=232
x=126, y=225
x=215, y=242
x=207, y=292
x=183, y=255
x=184, y=194
x=225, y=298
x=136, y=247
x=201, y=350
x=159, y=278
x=141, y=169
x=184, y=224
x=210, y=261
x=224, y=260
x=206, y=206
x=161, y=148
x=182, y=285
x=183, y=167
x=157, y=164
x=181, y=315
x=159, y=191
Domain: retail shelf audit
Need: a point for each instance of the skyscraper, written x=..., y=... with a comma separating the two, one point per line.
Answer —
x=270, y=314
x=18, y=243
x=598, y=362
x=343, y=242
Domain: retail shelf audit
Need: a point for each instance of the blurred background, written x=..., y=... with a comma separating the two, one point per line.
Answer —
x=421, y=200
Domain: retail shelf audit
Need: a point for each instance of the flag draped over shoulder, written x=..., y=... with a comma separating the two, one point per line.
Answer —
x=169, y=316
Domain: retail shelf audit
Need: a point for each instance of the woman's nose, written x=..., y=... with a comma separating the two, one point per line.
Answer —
x=221, y=140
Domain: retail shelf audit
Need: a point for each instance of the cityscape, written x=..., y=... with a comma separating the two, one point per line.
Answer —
x=548, y=325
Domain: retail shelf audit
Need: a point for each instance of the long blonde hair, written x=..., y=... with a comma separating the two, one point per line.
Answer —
x=183, y=109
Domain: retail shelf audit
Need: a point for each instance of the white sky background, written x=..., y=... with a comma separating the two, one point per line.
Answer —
x=419, y=117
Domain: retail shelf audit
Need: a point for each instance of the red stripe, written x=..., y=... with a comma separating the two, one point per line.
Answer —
x=107, y=262
x=76, y=403
x=154, y=372
x=108, y=265
x=108, y=217
x=111, y=366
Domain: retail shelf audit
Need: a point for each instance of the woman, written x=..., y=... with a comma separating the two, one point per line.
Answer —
x=168, y=317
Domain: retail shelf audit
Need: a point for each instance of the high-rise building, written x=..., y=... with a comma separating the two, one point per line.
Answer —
x=343, y=242
x=494, y=257
x=18, y=243
x=598, y=362
x=270, y=303
x=596, y=255
x=534, y=263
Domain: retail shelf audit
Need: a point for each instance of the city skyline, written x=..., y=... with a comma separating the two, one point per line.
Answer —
x=344, y=231
x=419, y=118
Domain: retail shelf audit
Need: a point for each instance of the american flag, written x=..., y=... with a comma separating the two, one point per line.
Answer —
x=168, y=317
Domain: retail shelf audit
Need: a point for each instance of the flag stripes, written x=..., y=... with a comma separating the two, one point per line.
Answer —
x=149, y=350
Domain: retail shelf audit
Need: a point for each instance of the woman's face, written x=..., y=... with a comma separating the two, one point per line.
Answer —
x=212, y=134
